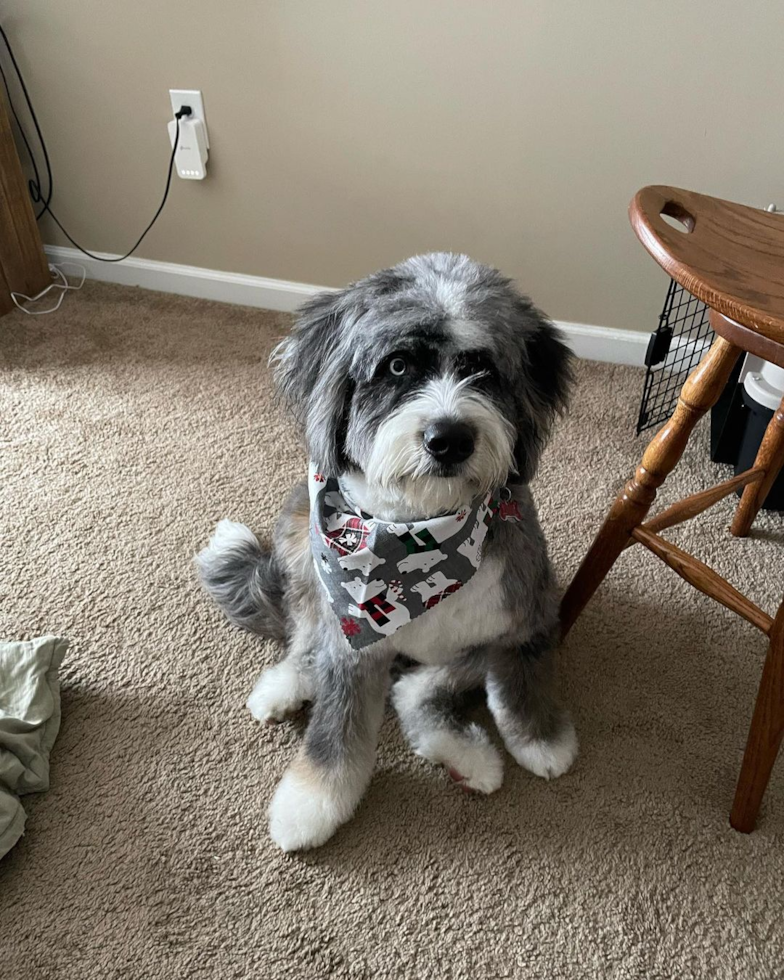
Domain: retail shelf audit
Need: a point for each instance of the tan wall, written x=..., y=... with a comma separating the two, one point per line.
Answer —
x=348, y=135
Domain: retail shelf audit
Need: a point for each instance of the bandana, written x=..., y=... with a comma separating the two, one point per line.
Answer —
x=379, y=575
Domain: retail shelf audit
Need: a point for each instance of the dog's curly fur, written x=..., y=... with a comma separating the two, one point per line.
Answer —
x=438, y=338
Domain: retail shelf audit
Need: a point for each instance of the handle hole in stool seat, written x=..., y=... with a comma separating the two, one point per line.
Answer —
x=677, y=217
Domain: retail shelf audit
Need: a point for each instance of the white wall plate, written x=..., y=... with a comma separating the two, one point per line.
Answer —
x=193, y=98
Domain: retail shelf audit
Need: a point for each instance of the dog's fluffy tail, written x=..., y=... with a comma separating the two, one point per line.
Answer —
x=244, y=580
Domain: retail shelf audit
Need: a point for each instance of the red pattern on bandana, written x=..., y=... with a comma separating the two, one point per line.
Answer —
x=349, y=537
x=435, y=599
x=350, y=626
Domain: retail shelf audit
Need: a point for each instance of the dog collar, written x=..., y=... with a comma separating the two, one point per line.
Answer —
x=381, y=575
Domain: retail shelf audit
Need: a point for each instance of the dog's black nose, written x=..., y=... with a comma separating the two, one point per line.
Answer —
x=449, y=442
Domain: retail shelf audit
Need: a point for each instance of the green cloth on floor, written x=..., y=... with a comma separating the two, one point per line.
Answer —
x=29, y=722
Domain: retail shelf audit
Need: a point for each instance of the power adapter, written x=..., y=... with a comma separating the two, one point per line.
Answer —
x=191, y=153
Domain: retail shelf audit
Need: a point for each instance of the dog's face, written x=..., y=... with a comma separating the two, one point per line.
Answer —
x=434, y=380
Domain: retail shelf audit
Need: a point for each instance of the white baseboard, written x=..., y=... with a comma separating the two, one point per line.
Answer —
x=608, y=344
x=190, y=280
x=595, y=343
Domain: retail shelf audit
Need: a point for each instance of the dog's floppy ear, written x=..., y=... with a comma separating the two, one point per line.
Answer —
x=543, y=388
x=312, y=373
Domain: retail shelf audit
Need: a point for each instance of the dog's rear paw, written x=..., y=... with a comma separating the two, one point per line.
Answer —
x=279, y=692
x=303, y=812
x=472, y=760
x=548, y=758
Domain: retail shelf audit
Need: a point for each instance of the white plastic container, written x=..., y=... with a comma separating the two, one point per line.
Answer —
x=764, y=383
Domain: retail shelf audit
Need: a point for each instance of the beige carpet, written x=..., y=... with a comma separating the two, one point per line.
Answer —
x=130, y=422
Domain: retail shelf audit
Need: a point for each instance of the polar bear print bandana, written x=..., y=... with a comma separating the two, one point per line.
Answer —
x=379, y=575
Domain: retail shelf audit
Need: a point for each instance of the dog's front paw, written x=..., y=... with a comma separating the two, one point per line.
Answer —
x=279, y=692
x=472, y=760
x=548, y=758
x=304, y=812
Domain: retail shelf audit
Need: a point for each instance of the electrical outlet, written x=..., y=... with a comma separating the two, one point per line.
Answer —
x=191, y=97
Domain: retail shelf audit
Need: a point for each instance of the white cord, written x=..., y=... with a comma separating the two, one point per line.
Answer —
x=61, y=283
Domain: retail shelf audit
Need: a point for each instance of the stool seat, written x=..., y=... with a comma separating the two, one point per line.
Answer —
x=728, y=255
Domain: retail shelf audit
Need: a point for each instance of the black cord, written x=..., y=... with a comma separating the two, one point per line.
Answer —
x=34, y=184
x=139, y=240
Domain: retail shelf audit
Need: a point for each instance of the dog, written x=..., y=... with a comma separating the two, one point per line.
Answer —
x=420, y=389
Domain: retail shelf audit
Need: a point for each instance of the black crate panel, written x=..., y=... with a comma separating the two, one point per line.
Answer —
x=682, y=337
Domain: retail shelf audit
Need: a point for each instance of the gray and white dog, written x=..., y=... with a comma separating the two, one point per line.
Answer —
x=421, y=388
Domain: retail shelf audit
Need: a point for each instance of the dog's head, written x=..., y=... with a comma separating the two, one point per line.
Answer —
x=435, y=380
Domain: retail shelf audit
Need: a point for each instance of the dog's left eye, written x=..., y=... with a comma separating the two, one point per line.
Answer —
x=477, y=366
x=398, y=366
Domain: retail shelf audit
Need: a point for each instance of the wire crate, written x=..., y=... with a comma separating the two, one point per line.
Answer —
x=676, y=347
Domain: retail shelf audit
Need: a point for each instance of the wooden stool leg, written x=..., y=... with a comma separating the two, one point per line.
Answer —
x=701, y=392
x=765, y=734
x=771, y=458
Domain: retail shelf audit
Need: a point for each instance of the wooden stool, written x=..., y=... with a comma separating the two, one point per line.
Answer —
x=23, y=265
x=732, y=258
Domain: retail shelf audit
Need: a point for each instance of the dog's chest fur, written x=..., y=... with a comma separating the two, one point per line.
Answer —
x=475, y=615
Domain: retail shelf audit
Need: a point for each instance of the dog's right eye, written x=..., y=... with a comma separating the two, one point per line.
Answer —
x=398, y=366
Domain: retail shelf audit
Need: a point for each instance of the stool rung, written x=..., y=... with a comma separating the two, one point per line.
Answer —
x=703, y=578
x=689, y=507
